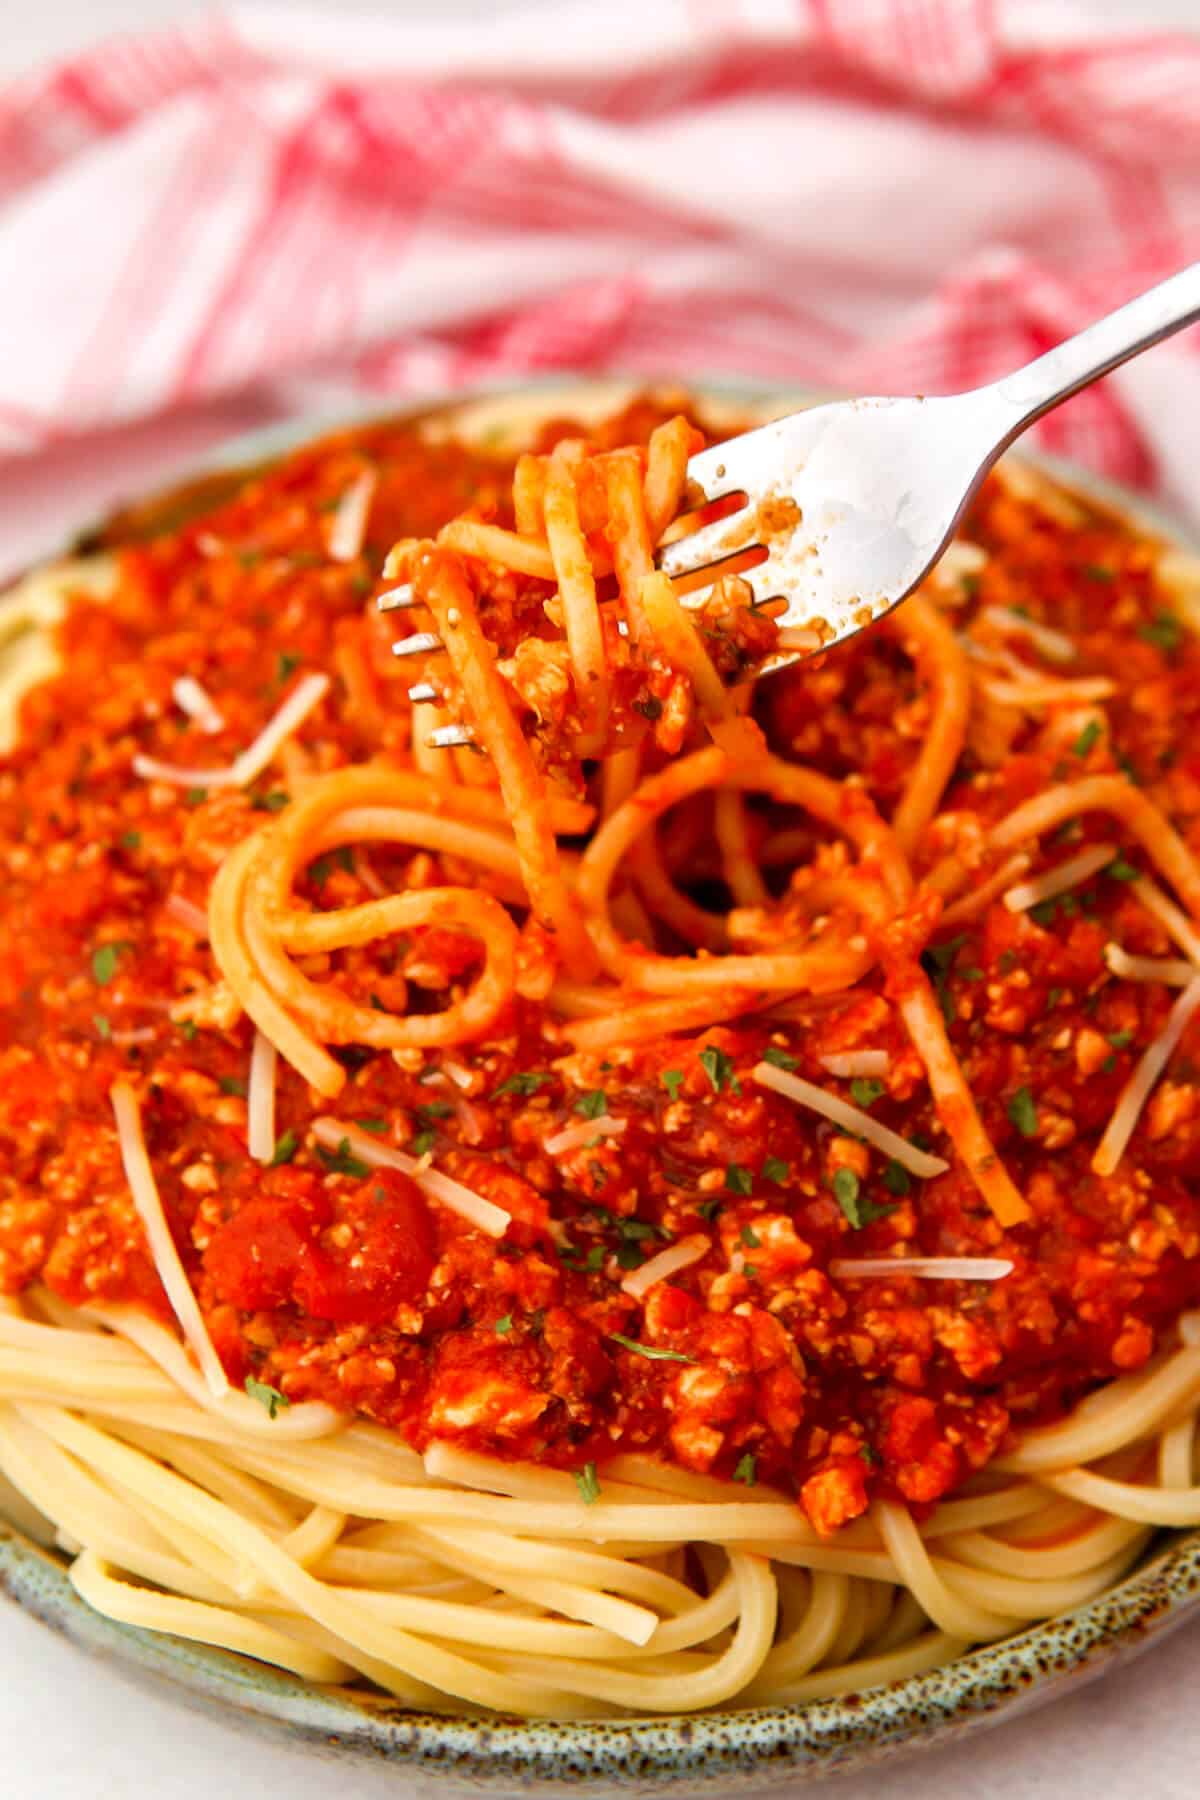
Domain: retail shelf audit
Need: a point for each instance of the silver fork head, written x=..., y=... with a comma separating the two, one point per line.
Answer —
x=853, y=503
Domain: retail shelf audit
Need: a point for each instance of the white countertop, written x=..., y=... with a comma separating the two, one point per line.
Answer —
x=73, y=1727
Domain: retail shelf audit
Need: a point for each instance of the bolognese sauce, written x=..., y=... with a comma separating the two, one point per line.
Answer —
x=765, y=1356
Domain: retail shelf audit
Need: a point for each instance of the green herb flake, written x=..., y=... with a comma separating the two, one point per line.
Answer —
x=503, y=1326
x=376, y=1127
x=324, y=866
x=525, y=1082
x=779, y=1059
x=865, y=1093
x=341, y=1161
x=285, y=1149
x=672, y=1080
x=1088, y=738
x=869, y=1455
x=423, y=1143
x=710, y=1209
x=271, y=802
x=195, y=796
x=103, y=1028
x=747, y=1470
x=719, y=1069
x=130, y=840
x=774, y=1169
x=1164, y=631
x=1120, y=1040
x=232, y=1084
x=1023, y=1113
x=104, y=962
x=287, y=662
x=431, y=1109
x=648, y=1350
x=588, y=1483
x=738, y=1180
x=857, y=1210
x=189, y=1028
x=1121, y=870
x=592, y=1105
x=896, y=1179
x=269, y=1398
x=750, y=1237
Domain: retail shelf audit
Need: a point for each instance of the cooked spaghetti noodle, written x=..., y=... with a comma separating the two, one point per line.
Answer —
x=686, y=1201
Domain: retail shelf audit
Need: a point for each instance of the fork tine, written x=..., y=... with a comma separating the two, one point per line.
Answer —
x=711, y=471
x=421, y=643
x=423, y=693
x=452, y=737
x=395, y=598
x=711, y=543
x=763, y=581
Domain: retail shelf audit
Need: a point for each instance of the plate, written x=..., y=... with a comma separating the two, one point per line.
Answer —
x=737, y=1751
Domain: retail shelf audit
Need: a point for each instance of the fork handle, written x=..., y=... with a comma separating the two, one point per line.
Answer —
x=1024, y=396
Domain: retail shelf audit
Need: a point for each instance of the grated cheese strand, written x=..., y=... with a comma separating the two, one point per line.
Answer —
x=927, y=1268
x=193, y=700
x=1059, y=880
x=260, y=1099
x=849, y=1064
x=574, y=1137
x=1173, y=918
x=246, y=767
x=144, y=1190
x=850, y=1118
x=1138, y=1088
x=186, y=912
x=688, y=1250
x=485, y=1215
x=1172, y=971
x=348, y=523
x=1054, y=645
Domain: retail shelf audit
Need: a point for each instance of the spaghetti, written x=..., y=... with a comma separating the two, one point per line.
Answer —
x=689, y=1202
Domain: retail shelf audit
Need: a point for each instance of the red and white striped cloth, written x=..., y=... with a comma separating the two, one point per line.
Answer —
x=881, y=195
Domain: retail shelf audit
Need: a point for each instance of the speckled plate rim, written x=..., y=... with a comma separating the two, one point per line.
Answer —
x=710, y=1752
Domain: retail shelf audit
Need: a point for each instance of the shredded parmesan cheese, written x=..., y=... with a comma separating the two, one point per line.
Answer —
x=254, y=759
x=1047, y=690
x=1059, y=880
x=186, y=912
x=193, y=700
x=1137, y=1090
x=688, y=1250
x=1172, y=971
x=849, y=1064
x=260, y=1099
x=144, y=1190
x=930, y=1268
x=850, y=1118
x=574, y=1137
x=1054, y=645
x=483, y=1214
x=1170, y=916
x=348, y=522
x=980, y=898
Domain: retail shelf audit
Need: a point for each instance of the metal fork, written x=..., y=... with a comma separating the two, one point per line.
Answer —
x=854, y=502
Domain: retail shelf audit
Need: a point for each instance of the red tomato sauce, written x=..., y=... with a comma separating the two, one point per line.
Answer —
x=327, y=1280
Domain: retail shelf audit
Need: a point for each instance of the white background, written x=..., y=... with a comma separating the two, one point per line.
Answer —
x=74, y=1730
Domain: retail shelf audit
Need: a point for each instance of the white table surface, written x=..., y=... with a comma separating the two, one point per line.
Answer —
x=73, y=1728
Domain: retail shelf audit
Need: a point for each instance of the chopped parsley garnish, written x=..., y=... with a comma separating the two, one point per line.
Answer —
x=376, y=1127
x=423, y=1143
x=750, y=1271
x=774, y=1169
x=269, y=1398
x=130, y=840
x=747, y=1470
x=750, y=1237
x=503, y=1326
x=672, y=1080
x=738, y=1180
x=1120, y=1040
x=870, y=1456
x=103, y=1028
x=1164, y=631
x=271, y=802
x=525, y=1081
x=708, y=1209
x=779, y=1059
x=719, y=1069
x=104, y=962
x=324, y=866
x=428, y=1109
x=287, y=662
x=341, y=1161
x=865, y=1093
x=857, y=1210
x=592, y=1105
x=1088, y=737
x=188, y=1027
x=1023, y=1113
x=285, y=1149
x=195, y=796
x=232, y=1084
x=572, y=1257
x=588, y=1483
x=1098, y=571
x=1055, y=996
x=648, y=1350
x=937, y=961
x=896, y=1178
x=1120, y=870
